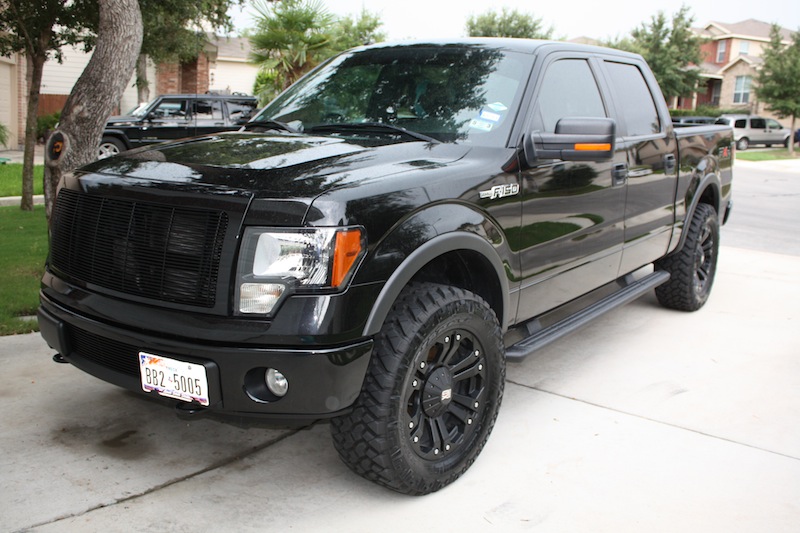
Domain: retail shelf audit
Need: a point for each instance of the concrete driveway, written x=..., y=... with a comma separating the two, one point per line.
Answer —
x=647, y=420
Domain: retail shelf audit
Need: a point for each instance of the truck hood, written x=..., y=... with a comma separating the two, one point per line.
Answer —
x=276, y=166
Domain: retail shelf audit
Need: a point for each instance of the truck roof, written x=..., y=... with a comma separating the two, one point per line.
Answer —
x=529, y=46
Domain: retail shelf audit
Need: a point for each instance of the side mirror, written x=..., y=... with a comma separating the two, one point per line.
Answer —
x=575, y=139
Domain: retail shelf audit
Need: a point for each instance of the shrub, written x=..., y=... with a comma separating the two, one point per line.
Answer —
x=45, y=124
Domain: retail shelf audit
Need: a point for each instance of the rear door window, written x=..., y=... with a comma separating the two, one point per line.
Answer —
x=206, y=111
x=636, y=104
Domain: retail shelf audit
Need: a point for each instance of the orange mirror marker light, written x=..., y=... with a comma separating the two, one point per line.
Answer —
x=348, y=246
x=591, y=147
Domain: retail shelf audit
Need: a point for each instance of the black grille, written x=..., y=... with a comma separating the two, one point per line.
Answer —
x=149, y=250
x=114, y=355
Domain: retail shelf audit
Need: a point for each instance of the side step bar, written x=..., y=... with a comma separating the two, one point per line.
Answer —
x=543, y=337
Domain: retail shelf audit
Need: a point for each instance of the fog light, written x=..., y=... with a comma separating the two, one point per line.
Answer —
x=277, y=382
x=259, y=298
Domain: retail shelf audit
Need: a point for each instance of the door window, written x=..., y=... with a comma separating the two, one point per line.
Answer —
x=171, y=109
x=568, y=90
x=208, y=110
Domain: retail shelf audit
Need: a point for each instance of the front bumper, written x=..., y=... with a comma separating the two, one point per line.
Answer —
x=323, y=381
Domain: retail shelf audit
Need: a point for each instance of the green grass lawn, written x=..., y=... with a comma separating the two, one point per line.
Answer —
x=767, y=155
x=23, y=250
x=11, y=179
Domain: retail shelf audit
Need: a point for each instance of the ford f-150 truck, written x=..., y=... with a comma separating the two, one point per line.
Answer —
x=375, y=245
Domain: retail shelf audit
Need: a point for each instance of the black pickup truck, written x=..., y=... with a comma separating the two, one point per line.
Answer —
x=376, y=244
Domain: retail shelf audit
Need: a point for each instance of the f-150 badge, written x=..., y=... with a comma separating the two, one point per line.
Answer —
x=501, y=191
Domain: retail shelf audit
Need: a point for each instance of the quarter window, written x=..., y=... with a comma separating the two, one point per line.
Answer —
x=636, y=103
x=568, y=90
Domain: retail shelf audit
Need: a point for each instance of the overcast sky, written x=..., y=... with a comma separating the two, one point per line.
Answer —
x=425, y=19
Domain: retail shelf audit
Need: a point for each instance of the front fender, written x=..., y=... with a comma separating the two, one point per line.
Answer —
x=430, y=234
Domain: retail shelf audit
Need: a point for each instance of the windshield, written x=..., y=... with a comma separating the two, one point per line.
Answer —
x=450, y=93
x=139, y=110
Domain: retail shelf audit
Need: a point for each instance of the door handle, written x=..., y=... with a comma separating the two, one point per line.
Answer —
x=619, y=174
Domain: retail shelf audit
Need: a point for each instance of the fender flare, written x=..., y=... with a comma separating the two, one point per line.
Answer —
x=708, y=181
x=424, y=254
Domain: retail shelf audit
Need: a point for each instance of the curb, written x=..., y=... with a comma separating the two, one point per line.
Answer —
x=17, y=200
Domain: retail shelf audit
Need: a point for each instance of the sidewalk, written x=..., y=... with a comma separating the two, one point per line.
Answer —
x=15, y=156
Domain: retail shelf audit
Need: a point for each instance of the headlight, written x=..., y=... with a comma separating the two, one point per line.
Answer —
x=274, y=261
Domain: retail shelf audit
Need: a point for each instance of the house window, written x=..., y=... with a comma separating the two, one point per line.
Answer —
x=722, y=47
x=741, y=91
x=744, y=48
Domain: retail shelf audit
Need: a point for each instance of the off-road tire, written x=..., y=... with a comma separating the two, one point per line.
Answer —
x=431, y=394
x=692, y=269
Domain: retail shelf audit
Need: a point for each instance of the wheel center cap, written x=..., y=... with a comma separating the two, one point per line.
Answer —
x=437, y=392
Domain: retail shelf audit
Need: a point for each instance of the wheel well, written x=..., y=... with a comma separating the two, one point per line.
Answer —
x=467, y=270
x=710, y=197
x=116, y=137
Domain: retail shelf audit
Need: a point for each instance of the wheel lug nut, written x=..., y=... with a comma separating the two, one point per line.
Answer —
x=422, y=364
x=436, y=451
x=458, y=337
x=480, y=367
x=447, y=339
x=477, y=353
x=411, y=425
x=469, y=421
x=416, y=439
x=476, y=405
x=414, y=383
x=447, y=447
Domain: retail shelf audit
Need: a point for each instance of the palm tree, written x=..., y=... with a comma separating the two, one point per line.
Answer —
x=287, y=35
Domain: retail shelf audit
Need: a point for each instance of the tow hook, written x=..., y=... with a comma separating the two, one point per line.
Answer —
x=188, y=411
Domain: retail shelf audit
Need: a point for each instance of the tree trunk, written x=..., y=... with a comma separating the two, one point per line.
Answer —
x=142, y=85
x=35, y=68
x=75, y=142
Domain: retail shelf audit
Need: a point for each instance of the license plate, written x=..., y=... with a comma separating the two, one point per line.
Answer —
x=173, y=378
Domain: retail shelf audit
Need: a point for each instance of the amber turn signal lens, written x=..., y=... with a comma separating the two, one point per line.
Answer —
x=348, y=247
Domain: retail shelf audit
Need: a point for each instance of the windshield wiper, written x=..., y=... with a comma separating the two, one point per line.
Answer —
x=371, y=126
x=270, y=125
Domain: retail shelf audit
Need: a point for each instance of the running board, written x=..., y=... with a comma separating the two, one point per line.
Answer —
x=631, y=291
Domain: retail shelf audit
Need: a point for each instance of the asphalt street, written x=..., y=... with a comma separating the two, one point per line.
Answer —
x=646, y=420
